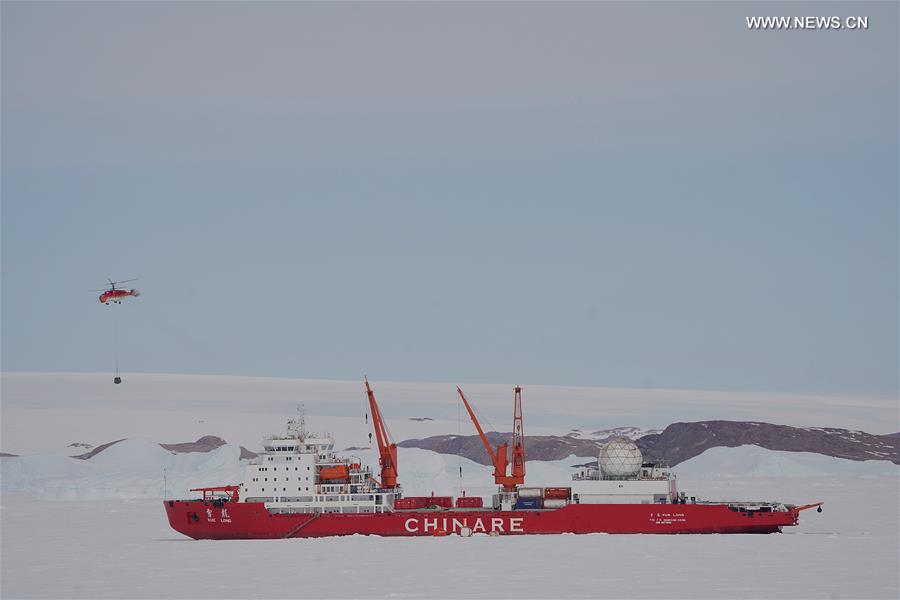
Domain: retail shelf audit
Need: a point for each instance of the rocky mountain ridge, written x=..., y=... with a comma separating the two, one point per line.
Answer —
x=675, y=444
x=681, y=441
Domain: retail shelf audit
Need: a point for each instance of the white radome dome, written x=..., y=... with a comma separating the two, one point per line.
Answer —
x=620, y=457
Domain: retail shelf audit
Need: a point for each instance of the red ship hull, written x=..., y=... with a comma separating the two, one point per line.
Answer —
x=251, y=520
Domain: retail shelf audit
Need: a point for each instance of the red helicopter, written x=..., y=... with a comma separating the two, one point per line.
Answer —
x=114, y=294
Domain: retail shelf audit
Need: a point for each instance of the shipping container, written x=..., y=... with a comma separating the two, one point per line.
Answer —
x=409, y=503
x=528, y=503
x=426, y=501
x=442, y=501
x=555, y=503
x=470, y=502
x=557, y=493
x=531, y=492
x=414, y=502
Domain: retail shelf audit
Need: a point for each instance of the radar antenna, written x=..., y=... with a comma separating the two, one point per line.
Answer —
x=297, y=425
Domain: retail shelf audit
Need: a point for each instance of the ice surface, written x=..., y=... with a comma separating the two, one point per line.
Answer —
x=753, y=461
x=125, y=549
x=105, y=534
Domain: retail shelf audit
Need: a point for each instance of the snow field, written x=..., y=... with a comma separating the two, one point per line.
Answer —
x=96, y=529
x=124, y=548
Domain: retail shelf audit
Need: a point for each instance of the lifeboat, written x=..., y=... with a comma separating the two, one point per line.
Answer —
x=335, y=472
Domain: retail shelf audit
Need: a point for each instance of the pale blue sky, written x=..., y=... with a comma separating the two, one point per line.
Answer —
x=584, y=193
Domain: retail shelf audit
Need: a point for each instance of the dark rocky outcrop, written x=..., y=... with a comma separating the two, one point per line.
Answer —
x=537, y=447
x=205, y=444
x=682, y=441
x=97, y=450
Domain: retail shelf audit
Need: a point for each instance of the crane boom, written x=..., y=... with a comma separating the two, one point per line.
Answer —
x=387, y=449
x=484, y=439
x=500, y=458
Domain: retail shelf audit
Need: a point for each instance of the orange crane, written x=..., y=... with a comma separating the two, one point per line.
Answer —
x=387, y=449
x=500, y=458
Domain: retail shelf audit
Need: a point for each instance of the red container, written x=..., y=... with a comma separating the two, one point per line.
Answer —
x=557, y=493
x=411, y=503
x=470, y=502
x=442, y=501
x=415, y=502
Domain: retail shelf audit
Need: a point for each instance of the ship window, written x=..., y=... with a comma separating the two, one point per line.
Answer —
x=307, y=468
x=267, y=478
x=276, y=468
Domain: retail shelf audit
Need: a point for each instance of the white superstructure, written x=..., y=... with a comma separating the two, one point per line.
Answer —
x=298, y=472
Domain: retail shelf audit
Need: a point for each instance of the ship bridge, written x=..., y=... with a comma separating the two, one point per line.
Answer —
x=299, y=472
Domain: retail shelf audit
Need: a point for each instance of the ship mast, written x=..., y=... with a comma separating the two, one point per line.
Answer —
x=387, y=449
x=297, y=425
x=518, y=440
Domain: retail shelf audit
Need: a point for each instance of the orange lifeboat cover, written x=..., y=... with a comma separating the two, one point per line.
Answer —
x=335, y=472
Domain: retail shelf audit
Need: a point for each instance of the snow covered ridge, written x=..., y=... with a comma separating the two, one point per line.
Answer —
x=207, y=443
x=604, y=435
x=753, y=462
x=136, y=468
x=682, y=441
x=130, y=468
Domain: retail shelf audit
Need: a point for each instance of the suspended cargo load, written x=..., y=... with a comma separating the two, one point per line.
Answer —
x=530, y=492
